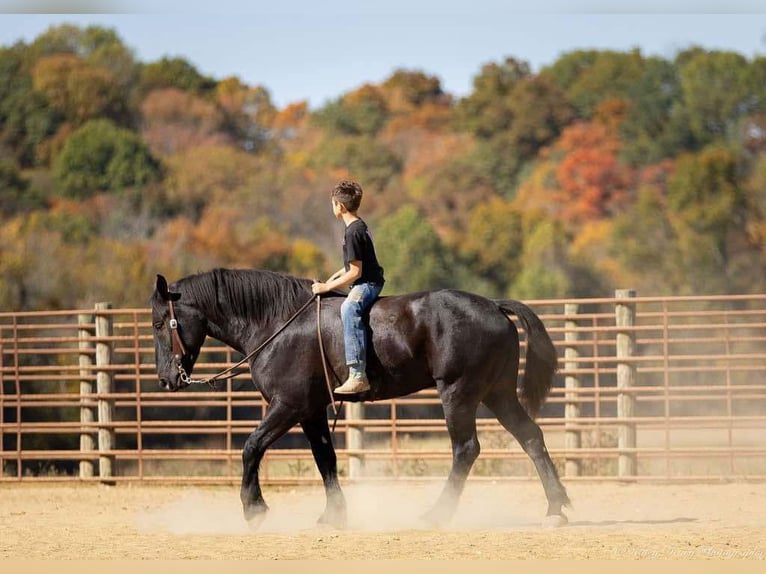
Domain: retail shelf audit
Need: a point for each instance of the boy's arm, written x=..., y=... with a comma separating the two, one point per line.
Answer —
x=346, y=278
x=337, y=274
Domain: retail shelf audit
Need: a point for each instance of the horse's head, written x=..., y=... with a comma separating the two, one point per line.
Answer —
x=179, y=330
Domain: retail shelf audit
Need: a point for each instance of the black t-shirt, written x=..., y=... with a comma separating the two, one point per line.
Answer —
x=357, y=246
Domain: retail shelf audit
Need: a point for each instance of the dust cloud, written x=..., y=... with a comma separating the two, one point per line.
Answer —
x=372, y=507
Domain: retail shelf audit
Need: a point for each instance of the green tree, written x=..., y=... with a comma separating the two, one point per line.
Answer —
x=588, y=77
x=26, y=118
x=549, y=269
x=365, y=159
x=494, y=242
x=544, y=271
x=536, y=113
x=644, y=244
x=361, y=112
x=103, y=157
x=707, y=207
x=413, y=257
x=173, y=73
x=488, y=109
x=717, y=91
x=656, y=124
x=12, y=188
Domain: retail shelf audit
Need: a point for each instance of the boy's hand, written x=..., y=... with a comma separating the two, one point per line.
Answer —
x=319, y=288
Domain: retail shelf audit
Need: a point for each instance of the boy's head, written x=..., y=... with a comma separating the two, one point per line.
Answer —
x=348, y=194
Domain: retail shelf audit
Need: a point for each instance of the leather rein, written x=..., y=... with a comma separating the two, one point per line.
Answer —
x=179, y=352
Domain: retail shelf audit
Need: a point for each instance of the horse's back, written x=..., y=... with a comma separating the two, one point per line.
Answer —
x=450, y=331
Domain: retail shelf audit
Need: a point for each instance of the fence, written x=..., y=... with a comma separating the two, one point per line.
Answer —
x=650, y=388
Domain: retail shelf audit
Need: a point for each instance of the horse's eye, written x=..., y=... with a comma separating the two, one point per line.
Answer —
x=159, y=325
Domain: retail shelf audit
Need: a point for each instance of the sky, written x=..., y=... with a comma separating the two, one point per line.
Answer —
x=316, y=50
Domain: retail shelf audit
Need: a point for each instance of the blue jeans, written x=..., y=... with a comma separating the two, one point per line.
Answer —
x=357, y=303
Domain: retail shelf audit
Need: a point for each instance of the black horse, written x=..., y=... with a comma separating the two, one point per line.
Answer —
x=463, y=344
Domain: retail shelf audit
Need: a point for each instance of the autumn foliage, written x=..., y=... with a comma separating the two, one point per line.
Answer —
x=604, y=169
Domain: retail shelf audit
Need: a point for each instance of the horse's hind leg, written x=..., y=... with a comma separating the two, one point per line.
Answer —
x=506, y=407
x=460, y=415
x=278, y=420
x=317, y=431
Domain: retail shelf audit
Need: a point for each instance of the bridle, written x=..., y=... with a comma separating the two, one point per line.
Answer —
x=179, y=352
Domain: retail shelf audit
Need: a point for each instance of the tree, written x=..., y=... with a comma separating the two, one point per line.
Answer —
x=588, y=77
x=175, y=121
x=103, y=157
x=643, y=240
x=592, y=182
x=361, y=112
x=248, y=112
x=78, y=90
x=582, y=178
x=12, y=188
x=447, y=196
x=407, y=89
x=413, y=257
x=37, y=269
x=26, y=118
x=707, y=206
x=290, y=119
x=488, y=110
x=360, y=158
x=494, y=242
x=543, y=273
x=717, y=91
x=539, y=112
x=656, y=125
x=415, y=100
x=173, y=73
x=208, y=174
x=513, y=114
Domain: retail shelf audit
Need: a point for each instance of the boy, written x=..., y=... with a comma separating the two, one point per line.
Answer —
x=362, y=271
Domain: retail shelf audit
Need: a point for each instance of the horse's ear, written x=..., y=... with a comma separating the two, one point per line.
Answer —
x=162, y=289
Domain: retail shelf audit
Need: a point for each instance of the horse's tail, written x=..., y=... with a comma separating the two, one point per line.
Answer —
x=542, y=360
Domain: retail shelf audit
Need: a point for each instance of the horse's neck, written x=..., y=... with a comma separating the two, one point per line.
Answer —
x=227, y=336
x=240, y=333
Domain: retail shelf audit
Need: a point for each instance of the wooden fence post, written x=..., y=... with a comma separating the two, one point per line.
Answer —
x=104, y=325
x=572, y=436
x=87, y=391
x=2, y=409
x=625, y=318
x=355, y=439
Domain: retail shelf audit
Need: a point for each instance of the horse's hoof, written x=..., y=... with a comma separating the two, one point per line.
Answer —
x=555, y=521
x=254, y=515
x=435, y=518
x=333, y=520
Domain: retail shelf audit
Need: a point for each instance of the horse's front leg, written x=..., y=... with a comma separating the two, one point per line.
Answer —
x=317, y=431
x=278, y=420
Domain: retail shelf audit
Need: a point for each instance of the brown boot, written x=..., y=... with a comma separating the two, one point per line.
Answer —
x=356, y=383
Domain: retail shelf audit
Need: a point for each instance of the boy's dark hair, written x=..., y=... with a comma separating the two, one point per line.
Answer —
x=349, y=194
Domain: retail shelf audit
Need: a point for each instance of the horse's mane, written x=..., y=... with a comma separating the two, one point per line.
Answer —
x=262, y=296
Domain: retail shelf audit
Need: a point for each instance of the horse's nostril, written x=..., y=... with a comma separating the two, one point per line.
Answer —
x=164, y=384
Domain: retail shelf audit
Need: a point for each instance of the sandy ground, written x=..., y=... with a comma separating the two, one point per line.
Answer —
x=495, y=521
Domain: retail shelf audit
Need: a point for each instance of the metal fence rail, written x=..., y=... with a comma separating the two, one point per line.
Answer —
x=650, y=388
